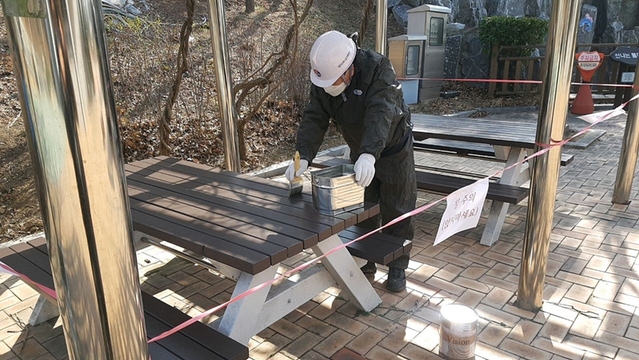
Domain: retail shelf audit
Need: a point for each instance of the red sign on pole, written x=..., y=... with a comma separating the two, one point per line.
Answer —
x=588, y=63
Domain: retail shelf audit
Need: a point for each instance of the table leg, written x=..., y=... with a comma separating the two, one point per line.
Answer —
x=498, y=209
x=349, y=277
x=240, y=317
x=44, y=310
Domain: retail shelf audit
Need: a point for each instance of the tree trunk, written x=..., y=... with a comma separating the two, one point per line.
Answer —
x=182, y=67
x=241, y=125
x=250, y=6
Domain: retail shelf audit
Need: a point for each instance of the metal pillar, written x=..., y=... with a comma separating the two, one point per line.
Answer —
x=562, y=39
x=61, y=67
x=629, y=148
x=228, y=117
x=380, y=29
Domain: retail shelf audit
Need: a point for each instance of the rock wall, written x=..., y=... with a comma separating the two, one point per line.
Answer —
x=602, y=21
x=124, y=7
x=624, y=14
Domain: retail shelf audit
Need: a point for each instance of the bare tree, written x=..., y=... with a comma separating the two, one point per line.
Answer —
x=182, y=66
x=260, y=79
x=263, y=78
x=368, y=10
x=250, y=6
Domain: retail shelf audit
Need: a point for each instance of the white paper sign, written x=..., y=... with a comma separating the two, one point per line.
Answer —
x=597, y=116
x=463, y=209
x=627, y=77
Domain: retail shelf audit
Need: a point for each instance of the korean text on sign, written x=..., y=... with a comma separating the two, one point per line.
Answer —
x=463, y=209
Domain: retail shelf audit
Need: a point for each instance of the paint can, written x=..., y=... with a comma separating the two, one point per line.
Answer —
x=457, y=332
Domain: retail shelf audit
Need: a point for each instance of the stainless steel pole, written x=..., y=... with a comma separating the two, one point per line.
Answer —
x=380, y=33
x=61, y=67
x=562, y=39
x=629, y=148
x=224, y=85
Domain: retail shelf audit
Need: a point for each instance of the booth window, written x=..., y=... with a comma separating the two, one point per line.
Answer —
x=412, y=60
x=436, y=34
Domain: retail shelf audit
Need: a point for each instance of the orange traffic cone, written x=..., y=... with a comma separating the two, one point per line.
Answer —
x=583, y=103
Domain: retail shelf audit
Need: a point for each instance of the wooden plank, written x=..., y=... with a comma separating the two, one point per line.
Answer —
x=377, y=247
x=158, y=352
x=228, y=202
x=458, y=147
x=177, y=342
x=518, y=86
x=264, y=186
x=197, y=173
x=216, y=233
x=405, y=244
x=36, y=254
x=243, y=193
x=225, y=222
x=194, y=342
x=505, y=87
x=228, y=179
x=23, y=265
x=486, y=131
x=253, y=189
x=529, y=74
x=276, y=252
x=171, y=229
x=211, y=198
x=198, y=335
x=494, y=68
x=466, y=148
x=447, y=184
x=224, y=203
x=369, y=248
x=328, y=161
x=38, y=242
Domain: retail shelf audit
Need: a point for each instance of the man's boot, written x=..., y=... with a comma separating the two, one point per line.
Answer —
x=369, y=268
x=396, y=281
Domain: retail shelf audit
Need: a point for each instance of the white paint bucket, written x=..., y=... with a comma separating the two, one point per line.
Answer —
x=457, y=332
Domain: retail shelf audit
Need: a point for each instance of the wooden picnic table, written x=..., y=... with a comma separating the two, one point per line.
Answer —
x=517, y=134
x=511, y=141
x=246, y=227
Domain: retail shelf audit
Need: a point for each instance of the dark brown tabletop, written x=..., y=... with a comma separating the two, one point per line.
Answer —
x=519, y=134
x=243, y=221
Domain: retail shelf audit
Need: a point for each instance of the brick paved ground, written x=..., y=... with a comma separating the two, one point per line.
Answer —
x=590, y=298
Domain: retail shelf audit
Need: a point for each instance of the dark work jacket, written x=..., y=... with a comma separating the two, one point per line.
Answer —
x=371, y=113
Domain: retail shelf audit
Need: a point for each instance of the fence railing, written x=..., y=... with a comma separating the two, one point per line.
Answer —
x=529, y=68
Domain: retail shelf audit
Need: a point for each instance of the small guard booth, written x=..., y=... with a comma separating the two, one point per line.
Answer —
x=406, y=53
x=422, y=49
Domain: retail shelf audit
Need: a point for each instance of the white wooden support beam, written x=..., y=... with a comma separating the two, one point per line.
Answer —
x=44, y=310
x=350, y=278
x=240, y=317
x=498, y=209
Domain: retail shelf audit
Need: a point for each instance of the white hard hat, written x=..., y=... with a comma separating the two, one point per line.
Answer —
x=331, y=55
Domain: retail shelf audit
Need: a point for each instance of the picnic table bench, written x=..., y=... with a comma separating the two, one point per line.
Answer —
x=463, y=148
x=377, y=247
x=511, y=142
x=445, y=184
x=506, y=141
x=246, y=227
x=197, y=341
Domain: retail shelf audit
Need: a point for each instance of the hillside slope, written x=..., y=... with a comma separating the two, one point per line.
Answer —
x=142, y=55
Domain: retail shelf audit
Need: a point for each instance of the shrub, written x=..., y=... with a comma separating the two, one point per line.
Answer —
x=512, y=31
